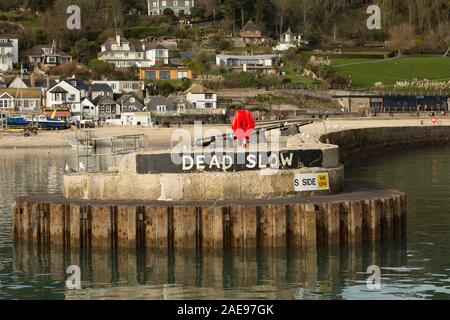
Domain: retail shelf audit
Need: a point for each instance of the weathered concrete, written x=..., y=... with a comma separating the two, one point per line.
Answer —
x=161, y=184
x=194, y=186
x=362, y=213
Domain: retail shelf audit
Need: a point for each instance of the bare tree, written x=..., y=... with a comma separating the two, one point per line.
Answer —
x=401, y=37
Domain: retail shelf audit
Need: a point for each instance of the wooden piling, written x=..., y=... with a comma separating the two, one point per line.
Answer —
x=200, y=226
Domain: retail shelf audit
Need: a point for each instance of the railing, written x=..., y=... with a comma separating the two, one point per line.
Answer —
x=187, y=112
x=87, y=148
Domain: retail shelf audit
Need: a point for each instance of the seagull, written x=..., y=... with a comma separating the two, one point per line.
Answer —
x=68, y=168
x=82, y=166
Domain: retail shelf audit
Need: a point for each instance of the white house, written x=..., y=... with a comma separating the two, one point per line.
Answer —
x=290, y=40
x=120, y=87
x=201, y=98
x=89, y=109
x=64, y=94
x=9, y=53
x=260, y=64
x=157, y=7
x=123, y=54
x=156, y=54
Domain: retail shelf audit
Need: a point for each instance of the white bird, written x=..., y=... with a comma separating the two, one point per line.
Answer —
x=67, y=168
x=82, y=166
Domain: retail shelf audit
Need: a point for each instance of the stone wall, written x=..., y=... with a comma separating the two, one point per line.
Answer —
x=358, y=143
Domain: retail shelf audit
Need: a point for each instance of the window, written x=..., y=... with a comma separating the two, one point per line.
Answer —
x=164, y=75
x=182, y=74
x=161, y=109
x=208, y=96
x=32, y=104
x=132, y=100
x=163, y=3
x=208, y=105
x=108, y=109
x=186, y=3
x=72, y=97
x=155, y=4
x=175, y=3
x=150, y=75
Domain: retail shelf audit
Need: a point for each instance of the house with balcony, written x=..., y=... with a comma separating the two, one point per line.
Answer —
x=122, y=86
x=267, y=64
x=65, y=95
x=123, y=54
x=165, y=73
x=9, y=53
x=47, y=55
x=201, y=98
x=179, y=7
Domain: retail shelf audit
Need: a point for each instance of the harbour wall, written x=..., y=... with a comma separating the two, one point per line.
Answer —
x=363, y=213
x=356, y=143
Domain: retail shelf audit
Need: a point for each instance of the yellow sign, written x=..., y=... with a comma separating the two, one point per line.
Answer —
x=312, y=182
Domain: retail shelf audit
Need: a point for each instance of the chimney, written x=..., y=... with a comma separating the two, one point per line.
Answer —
x=32, y=80
x=118, y=40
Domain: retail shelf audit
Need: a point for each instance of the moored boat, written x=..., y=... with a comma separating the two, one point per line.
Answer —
x=46, y=123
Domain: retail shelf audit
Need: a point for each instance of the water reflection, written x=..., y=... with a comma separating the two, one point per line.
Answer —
x=190, y=274
x=418, y=268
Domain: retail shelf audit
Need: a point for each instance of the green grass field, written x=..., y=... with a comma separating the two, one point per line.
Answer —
x=295, y=77
x=365, y=72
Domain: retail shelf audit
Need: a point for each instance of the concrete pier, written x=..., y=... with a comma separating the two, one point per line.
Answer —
x=361, y=213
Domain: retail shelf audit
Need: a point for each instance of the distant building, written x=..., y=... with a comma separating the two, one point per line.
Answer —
x=289, y=40
x=123, y=54
x=99, y=89
x=201, y=98
x=46, y=55
x=267, y=64
x=157, y=7
x=121, y=87
x=9, y=53
x=89, y=109
x=182, y=105
x=166, y=73
x=159, y=105
x=129, y=103
x=251, y=34
x=26, y=100
x=65, y=94
x=106, y=108
x=393, y=102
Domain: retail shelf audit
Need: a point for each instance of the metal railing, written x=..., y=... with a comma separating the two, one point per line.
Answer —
x=89, y=149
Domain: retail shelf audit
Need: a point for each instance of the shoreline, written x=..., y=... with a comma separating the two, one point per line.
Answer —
x=160, y=138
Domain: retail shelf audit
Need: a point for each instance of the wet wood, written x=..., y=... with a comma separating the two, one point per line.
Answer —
x=296, y=225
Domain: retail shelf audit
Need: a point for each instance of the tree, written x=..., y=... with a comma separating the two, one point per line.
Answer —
x=401, y=37
x=84, y=50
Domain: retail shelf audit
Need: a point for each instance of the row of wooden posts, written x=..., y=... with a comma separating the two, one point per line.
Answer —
x=75, y=225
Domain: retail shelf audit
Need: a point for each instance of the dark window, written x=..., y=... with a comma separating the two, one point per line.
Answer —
x=164, y=75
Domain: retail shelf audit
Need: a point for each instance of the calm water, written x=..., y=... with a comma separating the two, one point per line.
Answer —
x=416, y=268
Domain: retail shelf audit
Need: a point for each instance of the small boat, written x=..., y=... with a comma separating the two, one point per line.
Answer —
x=46, y=123
x=14, y=121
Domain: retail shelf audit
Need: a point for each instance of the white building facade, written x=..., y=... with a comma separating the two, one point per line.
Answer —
x=9, y=53
x=120, y=87
x=63, y=94
x=157, y=7
x=123, y=54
